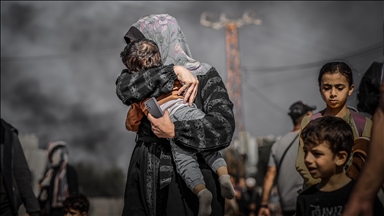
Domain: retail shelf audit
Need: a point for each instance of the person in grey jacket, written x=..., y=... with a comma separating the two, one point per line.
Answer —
x=15, y=178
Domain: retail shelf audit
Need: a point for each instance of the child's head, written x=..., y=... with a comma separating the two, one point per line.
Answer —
x=76, y=205
x=141, y=55
x=328, y=143
x=335, y=84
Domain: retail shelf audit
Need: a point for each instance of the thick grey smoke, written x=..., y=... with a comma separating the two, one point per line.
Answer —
x=60, y=60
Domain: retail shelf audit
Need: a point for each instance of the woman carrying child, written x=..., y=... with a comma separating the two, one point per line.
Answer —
x=153, y=186
x=142, y=55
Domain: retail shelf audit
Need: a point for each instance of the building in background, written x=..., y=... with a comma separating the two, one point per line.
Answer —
x=247, y=156
x=36, y=158
x=248, y=147
x=264, y=145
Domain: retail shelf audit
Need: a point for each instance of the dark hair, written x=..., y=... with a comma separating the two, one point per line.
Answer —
x=124, y=55
x=77, y=202
x=368, y=95
x=334, y=130
x=336, y=67
x=141, y=55
x=298, y=110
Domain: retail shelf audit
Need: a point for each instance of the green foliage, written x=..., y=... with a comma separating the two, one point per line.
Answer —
x=97, y=182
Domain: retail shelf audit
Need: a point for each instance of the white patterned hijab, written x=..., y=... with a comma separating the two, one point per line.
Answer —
x=57, y=153
x=58, y=160
x=164, y=30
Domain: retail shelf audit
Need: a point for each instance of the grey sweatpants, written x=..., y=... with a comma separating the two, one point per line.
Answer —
x=185, y=159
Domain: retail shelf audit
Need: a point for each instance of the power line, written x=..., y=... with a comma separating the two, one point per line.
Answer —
x=258, y=93
x=357, y=53
x=284, y=81
x=265, y=98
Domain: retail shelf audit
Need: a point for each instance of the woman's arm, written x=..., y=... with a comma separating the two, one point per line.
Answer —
x=23, y=178
x=215, y=130
x=135, y=87
x=212, y=132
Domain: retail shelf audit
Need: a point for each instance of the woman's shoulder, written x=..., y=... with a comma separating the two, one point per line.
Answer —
x=209, y=72
x=212, y=73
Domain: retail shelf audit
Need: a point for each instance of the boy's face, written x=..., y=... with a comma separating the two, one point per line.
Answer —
x=73, y=212
x=335, y=89
x=320, y=160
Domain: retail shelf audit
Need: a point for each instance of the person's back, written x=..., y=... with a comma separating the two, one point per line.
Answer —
x=281, y=164
x=288, y=180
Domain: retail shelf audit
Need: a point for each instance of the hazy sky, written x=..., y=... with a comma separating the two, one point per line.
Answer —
x=60, y=61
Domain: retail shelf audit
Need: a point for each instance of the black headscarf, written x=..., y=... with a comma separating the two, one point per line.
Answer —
x=134, y=34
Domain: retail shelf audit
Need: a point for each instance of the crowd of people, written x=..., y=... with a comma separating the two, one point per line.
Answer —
x=201, y=134
x=329, y=163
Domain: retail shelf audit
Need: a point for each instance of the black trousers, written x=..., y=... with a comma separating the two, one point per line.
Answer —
x=288, y=213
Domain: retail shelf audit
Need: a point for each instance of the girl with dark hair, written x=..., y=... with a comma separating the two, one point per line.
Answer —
x=335, y=85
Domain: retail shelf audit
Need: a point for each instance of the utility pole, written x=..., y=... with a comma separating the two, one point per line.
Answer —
x=234, y=79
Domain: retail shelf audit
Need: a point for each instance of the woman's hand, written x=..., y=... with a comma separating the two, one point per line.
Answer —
x=162, y=127
x=189, y=81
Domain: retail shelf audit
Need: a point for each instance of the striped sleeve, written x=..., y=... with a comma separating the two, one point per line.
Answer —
x=135, y=87
x=215, y=130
